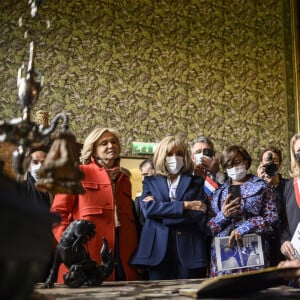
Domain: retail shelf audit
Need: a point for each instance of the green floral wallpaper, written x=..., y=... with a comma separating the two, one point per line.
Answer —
x=151, y=68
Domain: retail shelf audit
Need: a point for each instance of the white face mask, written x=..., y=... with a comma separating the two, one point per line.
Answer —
x=174, y=164
x=198, y=158
x=34, y=170
x=237, y=173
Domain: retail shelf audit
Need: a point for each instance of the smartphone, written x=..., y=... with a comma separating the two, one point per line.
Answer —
x=235, y=191
x=208, y=152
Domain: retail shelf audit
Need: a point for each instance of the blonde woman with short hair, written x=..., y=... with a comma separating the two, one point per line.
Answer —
x=174, y=241
x=291, y=199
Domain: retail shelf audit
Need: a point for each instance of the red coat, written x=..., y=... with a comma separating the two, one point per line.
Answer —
x=97, y=206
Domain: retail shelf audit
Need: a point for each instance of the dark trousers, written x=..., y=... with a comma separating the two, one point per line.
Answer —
x=171, y=267
x=119, y=271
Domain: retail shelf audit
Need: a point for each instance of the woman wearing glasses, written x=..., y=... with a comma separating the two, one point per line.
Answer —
x=243, y=205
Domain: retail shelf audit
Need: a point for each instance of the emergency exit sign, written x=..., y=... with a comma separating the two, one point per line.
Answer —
x=143, y=148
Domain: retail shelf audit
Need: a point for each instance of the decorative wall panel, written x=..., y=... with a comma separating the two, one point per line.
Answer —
x=154, y=68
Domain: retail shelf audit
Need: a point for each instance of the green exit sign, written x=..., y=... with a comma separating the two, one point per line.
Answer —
x=143, y=148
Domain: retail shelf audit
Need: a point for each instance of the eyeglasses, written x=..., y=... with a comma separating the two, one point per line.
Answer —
x=235, y=163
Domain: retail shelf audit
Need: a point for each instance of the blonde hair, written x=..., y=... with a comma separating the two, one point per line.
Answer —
x=164, y=147
x=295, y=165
x=89, y=143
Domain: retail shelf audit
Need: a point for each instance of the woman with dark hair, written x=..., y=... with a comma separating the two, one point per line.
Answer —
x=173, y=242
x=244, y=204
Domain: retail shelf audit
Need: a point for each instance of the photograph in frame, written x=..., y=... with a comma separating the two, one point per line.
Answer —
x=296, y=241
x=250, y=255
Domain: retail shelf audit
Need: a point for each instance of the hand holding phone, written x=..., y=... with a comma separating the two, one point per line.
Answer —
x=235, y=191
x=231, y=207
x=208, y=152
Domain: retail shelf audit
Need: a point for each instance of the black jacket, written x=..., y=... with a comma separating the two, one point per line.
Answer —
x=38, y=197
x=291, y=212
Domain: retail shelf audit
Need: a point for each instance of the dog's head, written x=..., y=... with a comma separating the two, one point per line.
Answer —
x=84, y=229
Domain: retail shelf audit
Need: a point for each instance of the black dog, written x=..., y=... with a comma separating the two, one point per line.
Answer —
x=71, y=250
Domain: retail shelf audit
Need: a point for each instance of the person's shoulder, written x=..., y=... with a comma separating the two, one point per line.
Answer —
x=195, y=178
x=256, y=184
x=254, y=179
x=86, y=167
x=125, y=172
x=289, y=182
x=92, y=172
x=124, y=177
x=283, y=179
x=152, y=177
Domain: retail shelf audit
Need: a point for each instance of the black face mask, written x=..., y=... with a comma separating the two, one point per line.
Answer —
x=298, y=156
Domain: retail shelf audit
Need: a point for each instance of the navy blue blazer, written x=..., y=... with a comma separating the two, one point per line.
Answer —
x=162, y=215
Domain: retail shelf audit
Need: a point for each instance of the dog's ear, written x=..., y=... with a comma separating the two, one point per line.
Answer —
x=79, y=229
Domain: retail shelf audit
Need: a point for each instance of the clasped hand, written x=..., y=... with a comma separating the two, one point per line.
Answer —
x=148, y=199
x=195, y=205
x=187, y=205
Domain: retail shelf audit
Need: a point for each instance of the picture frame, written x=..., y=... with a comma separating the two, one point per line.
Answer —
x=250, y=255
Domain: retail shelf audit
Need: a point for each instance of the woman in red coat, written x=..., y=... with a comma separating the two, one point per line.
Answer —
x=107, y=203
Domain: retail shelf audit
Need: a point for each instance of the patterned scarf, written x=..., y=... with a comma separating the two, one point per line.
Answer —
x=113, y=174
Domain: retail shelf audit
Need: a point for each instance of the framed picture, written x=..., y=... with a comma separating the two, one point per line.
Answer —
x=250, y=255
x=296, y=241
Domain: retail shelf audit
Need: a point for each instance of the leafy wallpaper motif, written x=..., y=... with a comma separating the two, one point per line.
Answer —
x=153, y=68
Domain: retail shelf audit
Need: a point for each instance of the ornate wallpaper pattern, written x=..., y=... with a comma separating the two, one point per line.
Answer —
x=154, y=68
